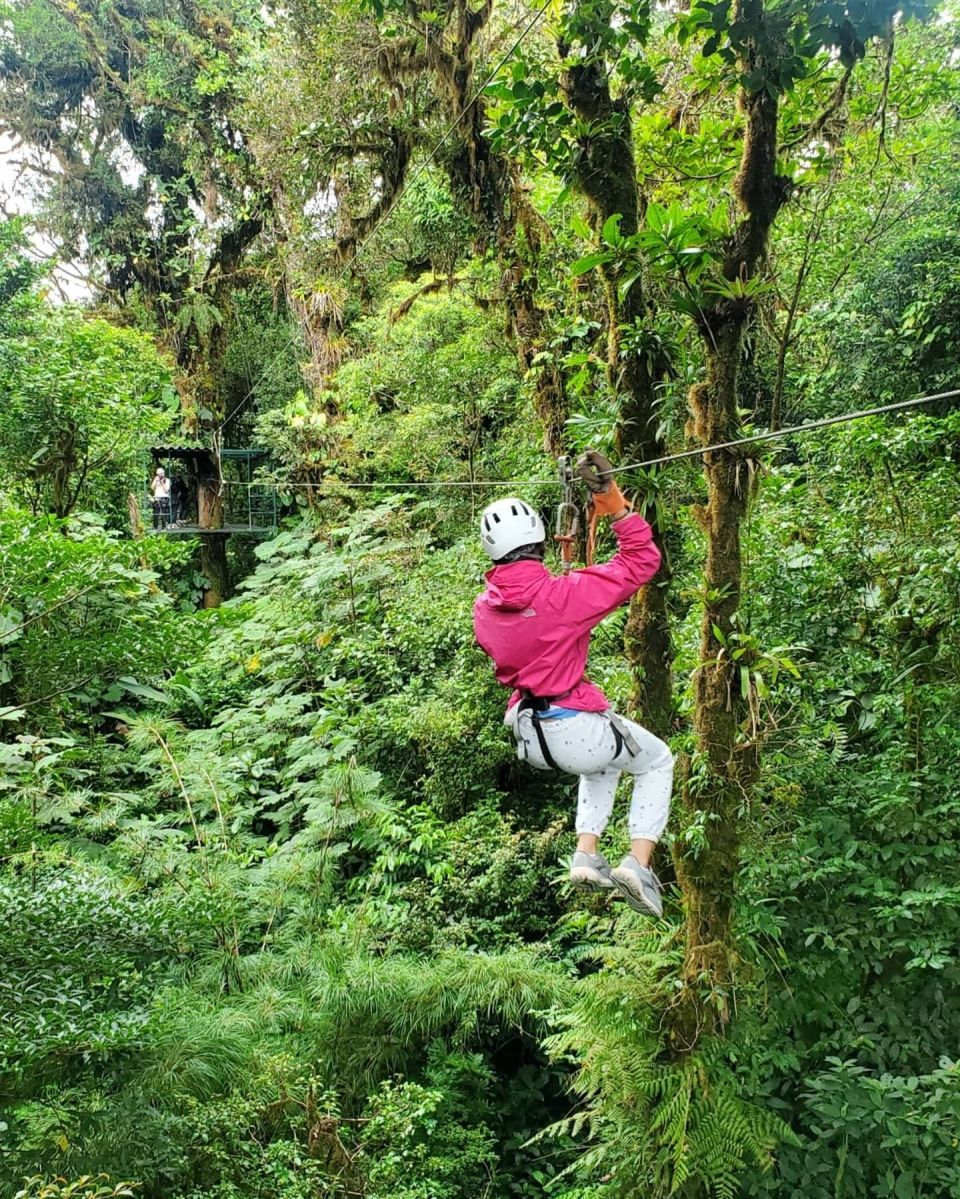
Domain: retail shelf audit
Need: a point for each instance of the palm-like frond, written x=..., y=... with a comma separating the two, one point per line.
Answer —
x=200, y=1049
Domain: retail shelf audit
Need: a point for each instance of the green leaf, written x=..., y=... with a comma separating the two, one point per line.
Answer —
x=142, y=690
x=656, y=217
x=588, y=262
x=626, y=284
x=610, y=233
x=905, y=1186
x=10, y=621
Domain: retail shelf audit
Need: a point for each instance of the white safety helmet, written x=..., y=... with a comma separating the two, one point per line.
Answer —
x=506, y=525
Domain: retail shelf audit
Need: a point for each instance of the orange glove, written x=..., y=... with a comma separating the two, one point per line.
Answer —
x=606, y=498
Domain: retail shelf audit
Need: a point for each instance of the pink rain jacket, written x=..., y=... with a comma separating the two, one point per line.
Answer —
x=536, y=626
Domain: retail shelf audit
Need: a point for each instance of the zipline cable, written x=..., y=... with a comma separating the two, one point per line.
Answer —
x=407, y=184
x=770, y=436
x=679, y=456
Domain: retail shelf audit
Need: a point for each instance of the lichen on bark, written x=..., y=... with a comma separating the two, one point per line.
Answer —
x=716, y=784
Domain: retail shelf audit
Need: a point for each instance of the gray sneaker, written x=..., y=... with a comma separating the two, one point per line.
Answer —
x=590, y=871
x=638, y=885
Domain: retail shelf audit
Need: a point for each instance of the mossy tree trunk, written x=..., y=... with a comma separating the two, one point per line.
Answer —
x=725, y=763
x=213, y=544
x=607, y=176
x=213, y=564
x=204, y=383
x=489, y=184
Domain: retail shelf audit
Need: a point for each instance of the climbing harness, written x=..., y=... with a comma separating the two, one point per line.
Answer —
x=568, y=515
x=536, y=705
x=622, y=736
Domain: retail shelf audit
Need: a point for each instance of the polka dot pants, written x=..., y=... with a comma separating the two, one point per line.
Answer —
x=585, y=744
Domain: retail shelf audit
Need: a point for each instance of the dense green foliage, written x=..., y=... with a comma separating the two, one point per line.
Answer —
x=82, y=398
x=281, y=915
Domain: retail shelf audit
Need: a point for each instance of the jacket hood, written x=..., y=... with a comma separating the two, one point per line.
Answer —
x=512, y=588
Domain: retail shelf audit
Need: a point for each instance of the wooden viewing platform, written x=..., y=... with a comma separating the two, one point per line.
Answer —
x=192, y=529
x=225, y=480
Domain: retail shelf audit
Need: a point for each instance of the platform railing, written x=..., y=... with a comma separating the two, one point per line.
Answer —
x=174, y=512
x=245, y=508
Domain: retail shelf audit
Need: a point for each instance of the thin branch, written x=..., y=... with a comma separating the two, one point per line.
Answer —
x=172, y=763
x=679, y=171
x=873, y=235
x=813, y=234
x=884, y=98
x=67, y=599
x=817, y=126
x=42, y=699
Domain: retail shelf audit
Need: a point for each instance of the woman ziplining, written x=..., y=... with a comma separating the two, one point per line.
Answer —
x=536, y=626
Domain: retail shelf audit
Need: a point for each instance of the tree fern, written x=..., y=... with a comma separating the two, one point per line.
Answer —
x=655, y=1127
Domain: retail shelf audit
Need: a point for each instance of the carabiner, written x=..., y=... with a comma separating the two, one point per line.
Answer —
x=568, y=515
x=565, y=471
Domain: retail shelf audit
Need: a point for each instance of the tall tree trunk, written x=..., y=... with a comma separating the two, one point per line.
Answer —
x=213, y=544
x=202, y=360
x=607, y=176
x=201, y=392
x=499, y=203
x=714, y=796
x=318, y=311
x=215, y=569
x=726, y=752
x=489, y=185
x=64, y=465
x=518, y=246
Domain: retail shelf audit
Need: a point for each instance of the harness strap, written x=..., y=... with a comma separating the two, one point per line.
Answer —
x=535, y=704
x=544, y=748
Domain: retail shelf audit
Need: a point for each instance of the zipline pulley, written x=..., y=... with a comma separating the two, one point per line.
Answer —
x=595, y=472
x=568, y=515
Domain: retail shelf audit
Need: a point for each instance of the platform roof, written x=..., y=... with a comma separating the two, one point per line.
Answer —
x=197, y=449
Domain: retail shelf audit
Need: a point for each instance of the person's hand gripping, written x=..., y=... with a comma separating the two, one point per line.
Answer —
x=606, y=498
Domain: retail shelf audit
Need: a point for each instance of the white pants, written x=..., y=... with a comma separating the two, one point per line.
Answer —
x=585, y=744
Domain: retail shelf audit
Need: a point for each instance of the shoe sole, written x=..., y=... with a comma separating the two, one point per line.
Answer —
x=633, y=894
x=587, y=881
